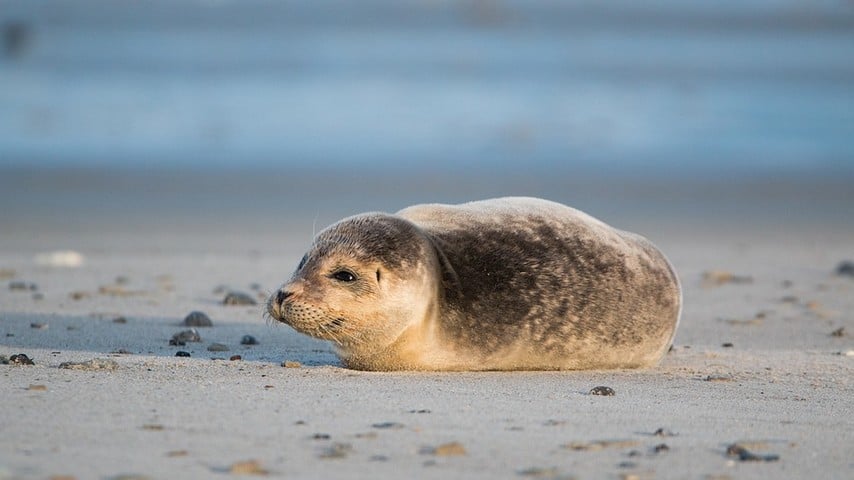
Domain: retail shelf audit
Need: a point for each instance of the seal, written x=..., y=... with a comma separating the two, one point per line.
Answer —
x=503, y=284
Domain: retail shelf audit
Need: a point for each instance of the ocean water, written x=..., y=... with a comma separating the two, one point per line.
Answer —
x=623, y=88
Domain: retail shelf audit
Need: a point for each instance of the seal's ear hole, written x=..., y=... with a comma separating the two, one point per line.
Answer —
x=378, y=274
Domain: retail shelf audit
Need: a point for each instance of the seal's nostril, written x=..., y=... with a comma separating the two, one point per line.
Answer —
x=282, y=295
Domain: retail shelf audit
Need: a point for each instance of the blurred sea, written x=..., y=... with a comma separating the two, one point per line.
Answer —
x=201, y=110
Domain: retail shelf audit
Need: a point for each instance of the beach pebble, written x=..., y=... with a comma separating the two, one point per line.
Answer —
x=248, y=340
x=19, y=285
x=727, y=345
x=238, y=298
x=321, y=436
x=181, y=338
x=217, y=347
x=291, y=364
x=39, y=326
x=845, y=268
x=661, y=432
x=61, y=258
x=248, y=467
x=336, y=450
x=602, y=390
x=37, y=388
x=661, y=447
x=120, y=320
x=839, y=332
x=94, y=364
x=181, y=353
x=388, y=426
x=235, y=358
x=197, y=319
x=452, y=449
x=538, y=472
x=714, y=278
x=744, y=455
x=19, y=359
x=79, y=295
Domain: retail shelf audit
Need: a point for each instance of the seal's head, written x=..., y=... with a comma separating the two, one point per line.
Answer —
x=363, y=284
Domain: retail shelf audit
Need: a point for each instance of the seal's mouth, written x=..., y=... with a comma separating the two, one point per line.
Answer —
x=335, y=324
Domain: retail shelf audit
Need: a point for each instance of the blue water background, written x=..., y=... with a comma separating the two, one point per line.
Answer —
x=661, y=87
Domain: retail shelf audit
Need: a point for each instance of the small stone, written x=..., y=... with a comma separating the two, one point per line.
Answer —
x=235, y=358
x=23, y=286
x=603, y=390
x=452, y=449
x=217, y=347
x=39, y=326
x=120, y=320
x=248, y=467
x=321, y=436
x=248, y=340
x=238, y=298
x=744, y=455
x=661, y=447
x=79, y=295
x=663, y=433
x=20, y=359
x=37, y=388
x=94, y=364
x=727, y=345
x=181, y=338
x=388, y=426
x=839, y=332
x=181, y=353
x=197, y=319
x=714, y=278
x=336, y=450
x=845, y=268
x=539, y=472
x=422, y=410
x=291, y=364
x=717, y=378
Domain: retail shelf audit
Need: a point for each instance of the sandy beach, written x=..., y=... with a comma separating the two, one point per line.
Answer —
x=763, y=358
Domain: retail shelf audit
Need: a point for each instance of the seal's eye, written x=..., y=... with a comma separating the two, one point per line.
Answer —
x=344, y=276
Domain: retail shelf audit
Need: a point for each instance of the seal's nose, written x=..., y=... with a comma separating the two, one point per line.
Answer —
x=281, y=296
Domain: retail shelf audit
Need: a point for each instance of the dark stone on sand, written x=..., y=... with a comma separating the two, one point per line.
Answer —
x=248, y=340
x=19, y=285
x=727, y=345
x=238, y=298
x=181, y=338
x=839, y=332
x=197, y=319
x=661, y=432
x=235, y=358
x=602, y=390
x=121, y=320
x=181, y=353
x=388, y=425
x=20, y=359
x=744, y=455
x=321, y=436
x=845, y=268
x=661, y=447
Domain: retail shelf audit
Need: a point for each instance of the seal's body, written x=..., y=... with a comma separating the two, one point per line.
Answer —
x=502, y=284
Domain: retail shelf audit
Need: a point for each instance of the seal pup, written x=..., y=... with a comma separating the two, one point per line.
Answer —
x=503, y=284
